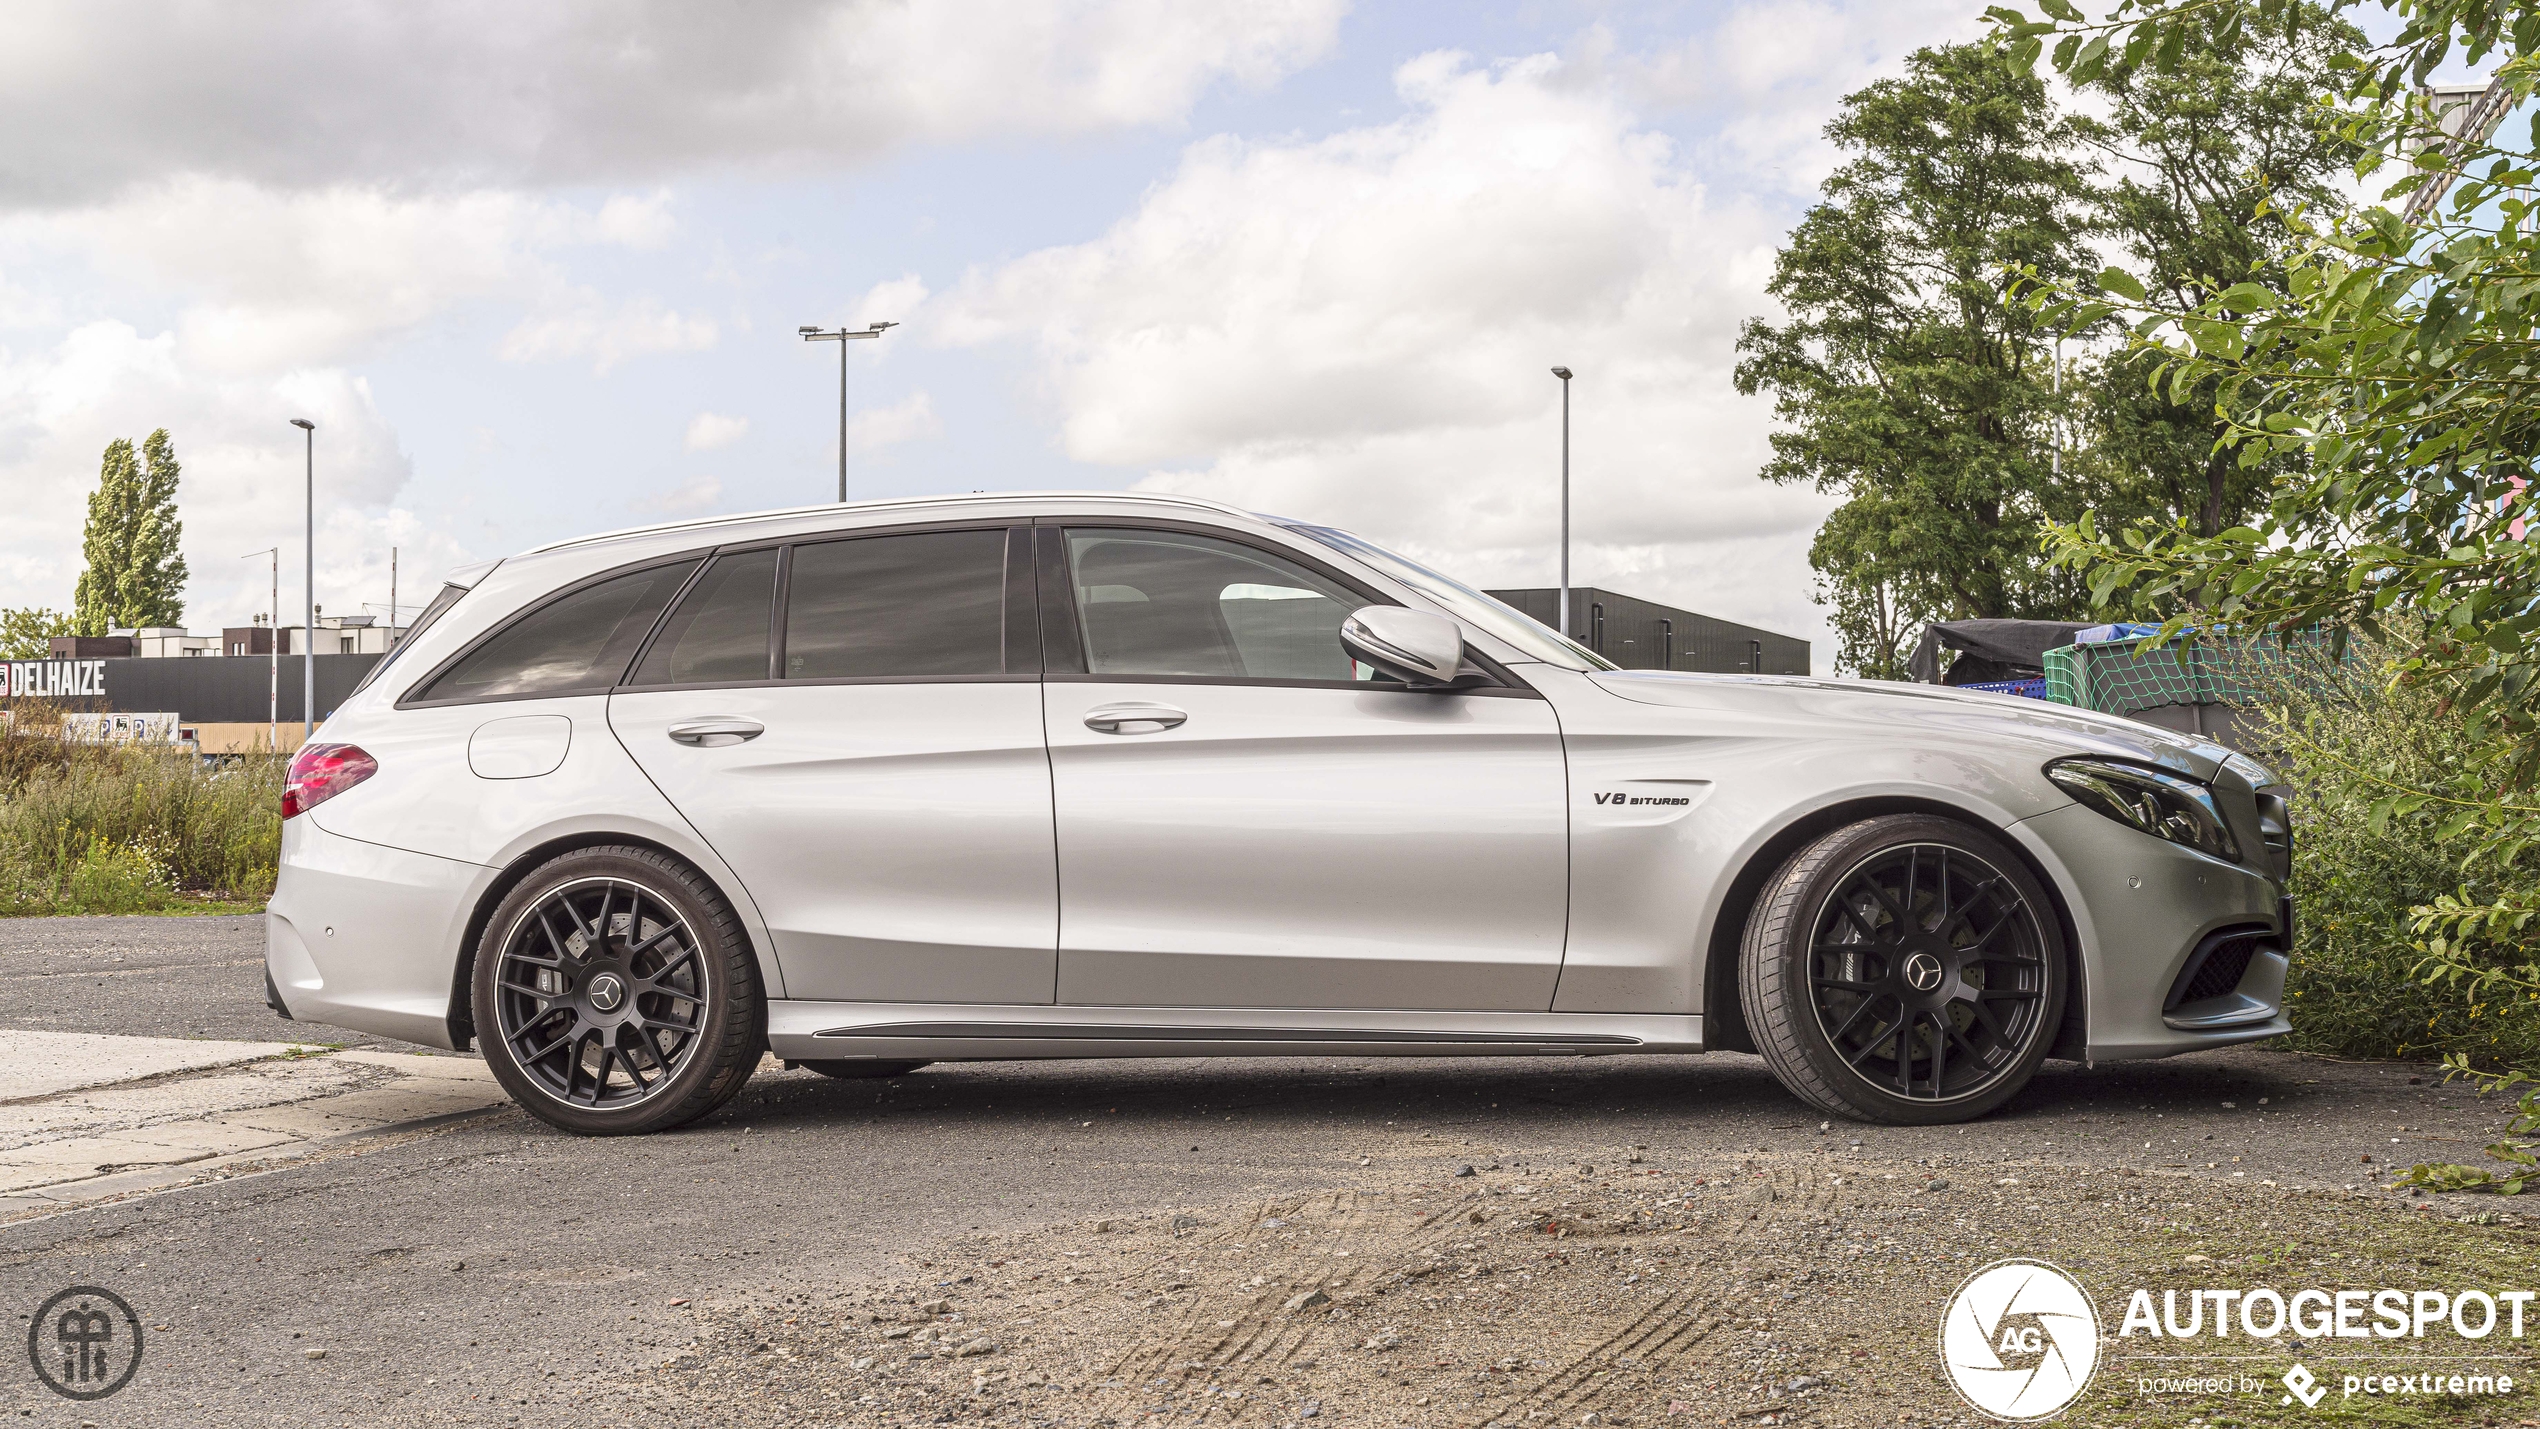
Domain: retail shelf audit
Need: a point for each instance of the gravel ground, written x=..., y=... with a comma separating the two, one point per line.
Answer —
x=497, y=1273
x=1766, y=1289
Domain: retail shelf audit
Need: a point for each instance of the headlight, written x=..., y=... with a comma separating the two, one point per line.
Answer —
x=2162, y=805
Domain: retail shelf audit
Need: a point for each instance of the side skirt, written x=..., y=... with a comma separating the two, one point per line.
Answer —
x=946, y=1032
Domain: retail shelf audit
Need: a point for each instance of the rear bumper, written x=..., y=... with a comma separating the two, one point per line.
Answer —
x=362, y=936
x=2141, y=910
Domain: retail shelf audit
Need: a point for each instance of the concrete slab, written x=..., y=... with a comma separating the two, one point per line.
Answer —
x=44, y=1064
x=97, y=1117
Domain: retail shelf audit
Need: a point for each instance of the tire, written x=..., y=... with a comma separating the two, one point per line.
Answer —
x=1907, y=970
x=604, y=960
x=848, y=1070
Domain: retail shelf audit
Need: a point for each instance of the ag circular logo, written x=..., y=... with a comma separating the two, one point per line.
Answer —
x=607, y=992
x=85, y=1343
x=2020, y=1340
x=1923, y=971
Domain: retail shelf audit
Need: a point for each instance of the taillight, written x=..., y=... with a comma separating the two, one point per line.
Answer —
x=319, y=772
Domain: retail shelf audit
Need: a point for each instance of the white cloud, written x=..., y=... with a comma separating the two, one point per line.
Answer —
x=1358, y=328
x=1765, y=78
x=315, y=93
x=243, y=473
x=587, y=325
x=709, y=430
x=265, y=281
x=910, y=419
x=688, y=499
x=895, y=301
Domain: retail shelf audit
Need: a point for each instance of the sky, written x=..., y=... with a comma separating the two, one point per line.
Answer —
x=535, y=271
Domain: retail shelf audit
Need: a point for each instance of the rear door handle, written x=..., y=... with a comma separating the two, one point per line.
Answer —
x=715, y=732
x=1133, y=718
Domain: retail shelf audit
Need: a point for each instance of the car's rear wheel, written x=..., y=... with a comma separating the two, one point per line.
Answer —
x=617, y=994
x=846, y=1070
x=1905, y=969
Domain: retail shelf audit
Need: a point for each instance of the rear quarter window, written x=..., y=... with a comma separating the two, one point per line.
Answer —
x=580, y=641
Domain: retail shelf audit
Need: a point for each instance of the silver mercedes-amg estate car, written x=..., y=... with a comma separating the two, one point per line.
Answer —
x=997, y=777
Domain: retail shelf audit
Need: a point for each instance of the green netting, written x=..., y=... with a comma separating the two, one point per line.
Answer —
x=2063, y=676
x=2120, y=678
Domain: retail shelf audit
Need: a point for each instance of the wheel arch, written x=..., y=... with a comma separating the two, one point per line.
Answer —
x=463, y=975
x=1724, y=1017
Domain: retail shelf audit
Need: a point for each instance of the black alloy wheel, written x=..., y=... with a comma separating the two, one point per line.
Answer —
x=621, y=993
x=1904, y=969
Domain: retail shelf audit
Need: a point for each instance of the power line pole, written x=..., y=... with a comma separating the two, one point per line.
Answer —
x=308, y=646
x=273, y=652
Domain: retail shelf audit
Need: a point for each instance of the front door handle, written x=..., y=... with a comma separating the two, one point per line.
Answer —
x=1133, y=718
x=715, y=732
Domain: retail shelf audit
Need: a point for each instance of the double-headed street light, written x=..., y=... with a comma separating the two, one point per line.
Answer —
x=1564, y=374
x=842, y=336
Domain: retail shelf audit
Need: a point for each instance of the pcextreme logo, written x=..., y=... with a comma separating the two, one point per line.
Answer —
x=2020, y=1340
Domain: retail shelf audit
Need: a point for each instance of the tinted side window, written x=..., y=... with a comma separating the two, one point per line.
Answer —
x=719, y=634
x=1163, y=603
x=581, y=642
x=930, y=603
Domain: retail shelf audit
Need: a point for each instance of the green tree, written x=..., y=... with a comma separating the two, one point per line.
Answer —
x=136, y=570
x=26, y=632
x=1905, y=379
x=2206, y=156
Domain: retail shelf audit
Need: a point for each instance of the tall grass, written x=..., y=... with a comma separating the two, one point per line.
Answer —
x=89, y=829
x=2350, y=735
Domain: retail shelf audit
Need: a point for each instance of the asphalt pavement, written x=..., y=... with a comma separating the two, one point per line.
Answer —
x=493, y=1271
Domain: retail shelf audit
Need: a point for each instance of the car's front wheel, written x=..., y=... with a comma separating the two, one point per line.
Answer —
x=615, y=993
x=1905, y=969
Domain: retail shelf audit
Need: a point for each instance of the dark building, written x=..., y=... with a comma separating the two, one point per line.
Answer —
x=246, y=639
x=1643, y=635
x=90, y=647
x=200, y=691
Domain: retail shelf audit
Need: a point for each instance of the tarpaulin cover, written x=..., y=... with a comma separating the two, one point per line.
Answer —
x=1989, y=649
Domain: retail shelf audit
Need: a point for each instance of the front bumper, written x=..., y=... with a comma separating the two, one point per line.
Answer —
x=2142, y=909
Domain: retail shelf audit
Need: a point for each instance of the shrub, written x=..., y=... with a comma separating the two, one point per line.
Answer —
x=2350, y=737
x=124, y=829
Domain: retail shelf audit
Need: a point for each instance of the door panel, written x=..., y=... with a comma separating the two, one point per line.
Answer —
x=1286, y=846
x=897, y=837
x=863, y=746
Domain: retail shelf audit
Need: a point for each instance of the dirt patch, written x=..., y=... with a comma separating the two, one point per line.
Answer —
x=1757, y=1289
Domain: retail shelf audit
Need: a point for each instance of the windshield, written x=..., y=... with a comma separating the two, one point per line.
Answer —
x=1528, y=634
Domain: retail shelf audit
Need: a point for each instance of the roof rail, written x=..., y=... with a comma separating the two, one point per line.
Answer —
x=711, y=523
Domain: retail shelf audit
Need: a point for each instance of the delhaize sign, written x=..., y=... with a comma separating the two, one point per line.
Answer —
x=57, y=679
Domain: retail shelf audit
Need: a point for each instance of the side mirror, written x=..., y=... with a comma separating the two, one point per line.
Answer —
x=1419, y=647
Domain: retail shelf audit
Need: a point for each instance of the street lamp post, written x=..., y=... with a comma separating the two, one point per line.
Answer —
x=842, y=337
x=308, y=632
x=1564, y=374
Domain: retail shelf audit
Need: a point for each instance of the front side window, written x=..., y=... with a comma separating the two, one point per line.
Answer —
x=926, y=604
x=1537, y=640
x=719, y=633
x=578, y=643
x=1165, y=603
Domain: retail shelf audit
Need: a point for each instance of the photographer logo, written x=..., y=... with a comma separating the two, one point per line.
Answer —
x=2019, y=1340
x=85, y=1343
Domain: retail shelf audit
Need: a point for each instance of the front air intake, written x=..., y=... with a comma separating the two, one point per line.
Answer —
x=2217, y=966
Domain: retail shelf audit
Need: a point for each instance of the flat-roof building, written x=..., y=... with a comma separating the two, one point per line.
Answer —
x=1644, y=635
